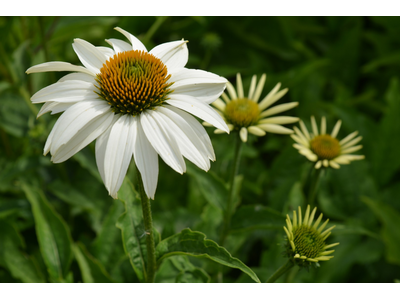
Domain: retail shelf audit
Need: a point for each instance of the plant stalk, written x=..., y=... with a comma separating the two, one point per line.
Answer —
x=229, y=204
x=315, y=178
x=282, y=270
x=148, y=227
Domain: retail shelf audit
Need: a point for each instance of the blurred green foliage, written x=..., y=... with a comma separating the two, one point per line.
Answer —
x=57, y=223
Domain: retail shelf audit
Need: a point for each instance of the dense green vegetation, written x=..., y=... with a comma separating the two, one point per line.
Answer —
x=344, y=68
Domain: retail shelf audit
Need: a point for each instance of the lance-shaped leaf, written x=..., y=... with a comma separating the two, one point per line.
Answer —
x=109, y=237
x=194, y=243
x=19, y=265
x=390, y=233
x=53, y=235
x=91, y=269
x=132, y=229
x=180, y=270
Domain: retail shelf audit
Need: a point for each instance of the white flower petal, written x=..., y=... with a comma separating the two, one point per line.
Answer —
x=54, y=107
x=198, y=129
x=301, y=136
x=243, y=134
x=323, y=125
x=219, y=104
x=58, y=66
x=336, y=129
x=74, y=119
x=225, y=97
x=118, y=153
x=318, y=164
x=190, y=146
x=259, y=88
x=106, y=51
x=239, y=86
x=279, y=120
x=252, y=86
x=136, y=44
x=325, y=163
x=174, y=55
x=146, y=160
x=273, y=128
x=268, y=101
x=66, y=91
x=231, y=90
x=164, y=144
x=83, y=137
x=334, y=165
x=91, y=57
x=351, y=143
x=278, y=109
x=348, y=138
x=199, y=109
x=78, y=76
x=304, y=130
x=299, y=140
x=202, y=85
x=314, y=126
x=256, y=131
x=101, y=147
x=119, y=46
x=351, y=149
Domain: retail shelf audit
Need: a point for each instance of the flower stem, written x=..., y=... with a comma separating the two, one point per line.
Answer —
x=315, y=177
x=229, y=204
x=148, y=227
x=282, y=270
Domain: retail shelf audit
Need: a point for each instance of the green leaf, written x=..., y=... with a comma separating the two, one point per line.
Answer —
x=212, y=188
x=180, y=269
x=390, y=231
x=385, y=159
x=105, y=243
x=132, y=228
x=252, y=217
x=53, y=234
x=20, y=265
x=194, y=243
x=92, y=270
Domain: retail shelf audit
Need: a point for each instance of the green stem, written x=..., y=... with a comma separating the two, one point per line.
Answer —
x=154, y=28
x=282, y=270
x=148, y=227
x=229, y=204
x=315, y=177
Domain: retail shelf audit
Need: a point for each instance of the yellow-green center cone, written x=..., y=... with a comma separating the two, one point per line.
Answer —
x=305, y=240
x=242, y=112
x=325, y=146
x=133, y=81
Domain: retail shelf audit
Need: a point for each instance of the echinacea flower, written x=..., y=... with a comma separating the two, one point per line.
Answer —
x=135, y=103
x=248, y=115
x=305, y=240
x=325, y=149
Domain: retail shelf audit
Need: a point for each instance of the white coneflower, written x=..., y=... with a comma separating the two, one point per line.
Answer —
x=135, y=103
x=305, y=240
x=248, y=115
x=323, y=148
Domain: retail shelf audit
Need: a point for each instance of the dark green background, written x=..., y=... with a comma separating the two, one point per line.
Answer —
x=339, y=67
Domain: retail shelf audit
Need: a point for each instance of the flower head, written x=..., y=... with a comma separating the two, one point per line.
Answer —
x=305, y=240
x=133, y=102
x=248, y=115
x=325, y=149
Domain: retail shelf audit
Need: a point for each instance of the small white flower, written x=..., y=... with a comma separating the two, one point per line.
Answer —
x=135, y=103
x=324, y=149
x=247, y=115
